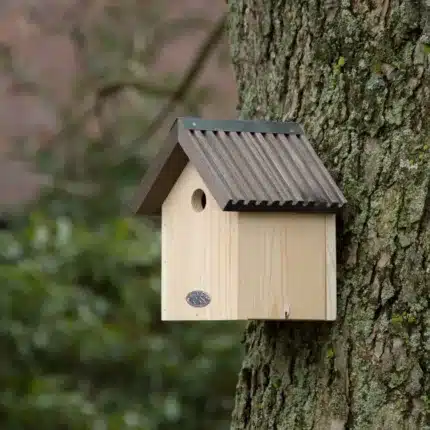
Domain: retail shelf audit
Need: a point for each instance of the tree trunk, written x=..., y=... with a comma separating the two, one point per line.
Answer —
x=356, y=75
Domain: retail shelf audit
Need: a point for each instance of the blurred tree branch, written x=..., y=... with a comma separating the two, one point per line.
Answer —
x=111, y=89
x=193, y=72
x=150, y=88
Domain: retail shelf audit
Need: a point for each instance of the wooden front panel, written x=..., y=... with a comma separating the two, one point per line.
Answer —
x=199, y=252
x=282, y=266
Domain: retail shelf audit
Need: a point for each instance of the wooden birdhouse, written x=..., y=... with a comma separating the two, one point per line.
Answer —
x=248, y=222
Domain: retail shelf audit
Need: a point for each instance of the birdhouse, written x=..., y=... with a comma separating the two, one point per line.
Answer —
x=247, y=222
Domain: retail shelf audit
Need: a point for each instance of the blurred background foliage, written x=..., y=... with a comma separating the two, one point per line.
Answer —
x=82, y=344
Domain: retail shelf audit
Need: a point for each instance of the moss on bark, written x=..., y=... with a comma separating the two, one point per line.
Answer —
x=356, y=74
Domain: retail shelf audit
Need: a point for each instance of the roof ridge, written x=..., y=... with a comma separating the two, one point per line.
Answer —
x=240, y=125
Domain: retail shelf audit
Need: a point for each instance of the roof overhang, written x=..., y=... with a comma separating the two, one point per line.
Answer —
x=189, y=141
x=161, y=176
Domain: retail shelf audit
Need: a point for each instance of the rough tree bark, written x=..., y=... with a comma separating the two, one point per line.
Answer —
x=356, y=74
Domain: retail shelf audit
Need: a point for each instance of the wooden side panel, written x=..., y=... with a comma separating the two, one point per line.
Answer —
x=199, y=252
x=331, y=287
x=282, y=266
x=262, y=266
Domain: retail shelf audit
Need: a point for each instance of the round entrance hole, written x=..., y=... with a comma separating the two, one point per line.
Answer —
x=198, y=200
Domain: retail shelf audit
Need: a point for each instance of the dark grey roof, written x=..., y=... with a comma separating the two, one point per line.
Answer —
x=247, y=166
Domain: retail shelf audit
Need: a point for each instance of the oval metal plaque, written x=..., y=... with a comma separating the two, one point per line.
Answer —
x=198, y=299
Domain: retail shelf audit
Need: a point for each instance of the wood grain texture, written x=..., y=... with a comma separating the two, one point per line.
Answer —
x=330, y=237
x=199, y=253
x=282, y=266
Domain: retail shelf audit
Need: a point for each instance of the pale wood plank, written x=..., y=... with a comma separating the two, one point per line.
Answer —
x=199, y=253
x=331, y=288
x=282, y=266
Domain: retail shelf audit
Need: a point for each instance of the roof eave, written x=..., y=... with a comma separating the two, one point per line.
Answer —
x=301, y=207
x=160, y=177
x=166, y=168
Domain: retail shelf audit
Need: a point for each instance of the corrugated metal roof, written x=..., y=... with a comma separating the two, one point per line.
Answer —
x=247, y=165
x=268, y=169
